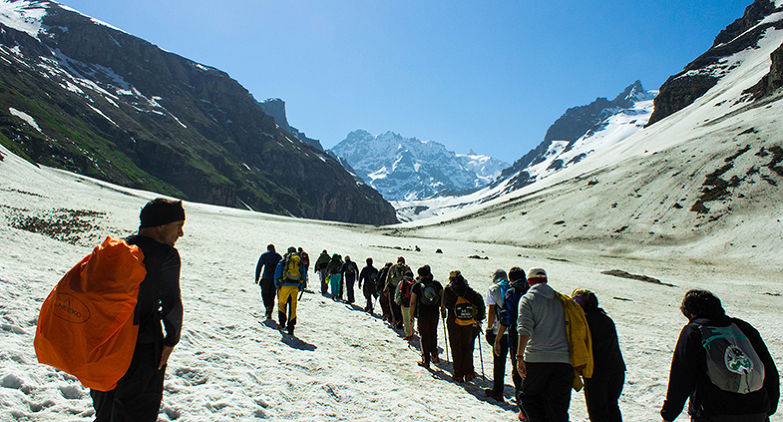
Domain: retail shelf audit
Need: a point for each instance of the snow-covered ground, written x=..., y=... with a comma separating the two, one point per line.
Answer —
x=344, y=364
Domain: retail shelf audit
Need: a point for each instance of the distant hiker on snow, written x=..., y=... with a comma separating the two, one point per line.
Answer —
x=465, y=309
x=290, y=278
x=508, y=324
x=138, y=394
x=722, y=365
x=268, y=262
x=334, y=273
x=603, y=390
x=320, y=268
x=495, y=297
x=383, y=296
x=395, y=275
x=305, y=264
x=543, y=358
x=368, y=276
x=425, y=306
x=402, y=297
x=349, y=272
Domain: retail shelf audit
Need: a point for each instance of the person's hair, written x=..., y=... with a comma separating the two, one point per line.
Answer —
x=516, y=273
x=701, y=304
x=270, y=247
x=369, y=261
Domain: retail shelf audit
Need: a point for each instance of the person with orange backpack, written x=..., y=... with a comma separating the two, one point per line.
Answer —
x=290, y=279
x=102, y=322
x=465, y=308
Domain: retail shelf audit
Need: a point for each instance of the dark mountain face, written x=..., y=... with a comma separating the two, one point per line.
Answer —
x=773, y=80
x=698, y=77
x=115, y=107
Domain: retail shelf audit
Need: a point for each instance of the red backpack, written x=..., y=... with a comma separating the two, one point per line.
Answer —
x=85, y=326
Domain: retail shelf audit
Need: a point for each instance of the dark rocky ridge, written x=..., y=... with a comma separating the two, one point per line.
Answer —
x=158, y=121
x=682, y=89
x=773, y=80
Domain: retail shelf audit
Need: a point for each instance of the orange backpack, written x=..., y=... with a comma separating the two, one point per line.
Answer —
x=85, y=326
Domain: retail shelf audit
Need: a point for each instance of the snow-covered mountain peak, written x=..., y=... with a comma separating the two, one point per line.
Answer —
x=409, y=168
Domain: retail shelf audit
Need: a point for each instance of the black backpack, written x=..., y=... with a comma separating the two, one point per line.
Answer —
x=429, y=295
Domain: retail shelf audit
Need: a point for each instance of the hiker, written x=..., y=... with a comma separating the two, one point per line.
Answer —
x=425, y=306
x=508, y=324
x=320, y=268
x=495, y=295
x=603, y=390
x=334, y=274
x=543, y=358
x=396, y=272
x=139, y=392
x=368, y=276
x=402, y=297
x=268, y=261
x=465, y=310
x=722, y=364
x=305, y=264
x=383, y=296
x=290, y=278
x=349, y=272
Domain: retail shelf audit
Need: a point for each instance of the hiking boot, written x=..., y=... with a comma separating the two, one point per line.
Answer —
x=435, y=359
x=268, y=315
x=470, y=376
x=522, y=416
x=493, y=395
x=458, y=379
x=423, y=364
x=291, y=330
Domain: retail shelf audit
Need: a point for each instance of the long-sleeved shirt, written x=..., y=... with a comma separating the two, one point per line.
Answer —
x=158, y=291
x=688, y=377
x=541, y=318
x=268, y=261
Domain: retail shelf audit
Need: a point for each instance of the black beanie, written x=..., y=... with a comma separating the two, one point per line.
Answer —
x=161, y=211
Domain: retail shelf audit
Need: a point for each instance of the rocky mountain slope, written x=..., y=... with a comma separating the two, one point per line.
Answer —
x=702, y=184
x=409, y=169
x=78, y=94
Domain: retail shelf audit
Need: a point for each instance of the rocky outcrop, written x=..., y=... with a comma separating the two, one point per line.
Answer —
x=275, y=107
x=773, y=80
x=113, y=106
x=699, y=76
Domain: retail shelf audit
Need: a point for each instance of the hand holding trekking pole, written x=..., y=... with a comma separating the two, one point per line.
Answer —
x=164, y=356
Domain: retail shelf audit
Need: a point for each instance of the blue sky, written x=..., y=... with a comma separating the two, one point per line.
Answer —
x=490, y=75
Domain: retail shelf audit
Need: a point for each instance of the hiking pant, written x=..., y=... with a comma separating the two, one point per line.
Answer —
x=335, y=280
x=428, y=333
x=322, y=277
x=546, y=391
x=601, y=396
x=385, y=309
x=268, y=294
x=498, y=363
x=461, y=340
x=396, y=311
x=286, y=295
x=406, y=320
x=513, y=340
x=138, y=394
x=349, y=282
x=369, y=298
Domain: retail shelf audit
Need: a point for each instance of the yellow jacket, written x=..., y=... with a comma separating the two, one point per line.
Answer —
x=580, y=343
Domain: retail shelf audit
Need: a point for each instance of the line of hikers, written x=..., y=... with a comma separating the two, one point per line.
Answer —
x=86, y=328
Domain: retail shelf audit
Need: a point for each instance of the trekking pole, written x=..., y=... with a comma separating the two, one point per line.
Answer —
x=446, y=336
x=481, y=356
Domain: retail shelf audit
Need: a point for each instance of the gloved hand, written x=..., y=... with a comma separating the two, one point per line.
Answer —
x=490, y=336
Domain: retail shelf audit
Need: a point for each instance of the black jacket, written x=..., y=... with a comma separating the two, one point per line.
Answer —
x=607, y=357
x=688, y=378
x=268, y=261
x=159, y=294
x=460, y=288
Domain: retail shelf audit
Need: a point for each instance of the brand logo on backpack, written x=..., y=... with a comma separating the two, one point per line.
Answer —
x=70, y=308
x=732, y=363
x=429, y=295
x=463, y=311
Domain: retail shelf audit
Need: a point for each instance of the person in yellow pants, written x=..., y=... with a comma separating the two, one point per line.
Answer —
x=290, y=278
